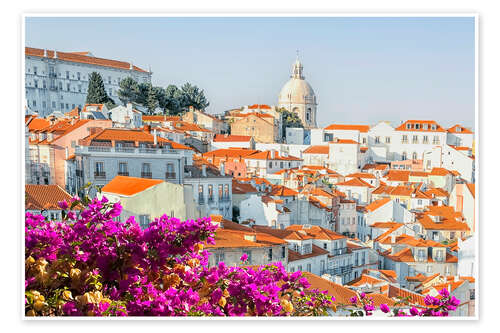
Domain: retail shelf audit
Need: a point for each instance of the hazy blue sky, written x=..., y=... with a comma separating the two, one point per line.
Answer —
x=362, y=70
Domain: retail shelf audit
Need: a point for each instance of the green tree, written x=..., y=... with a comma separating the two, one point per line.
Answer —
x=289, y=119
x=142, y=93
x=128, y=90
x=192, y=96
x=152, y=99
x=96, y=92
x=171, y=101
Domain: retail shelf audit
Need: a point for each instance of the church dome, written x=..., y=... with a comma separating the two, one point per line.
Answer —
x=297, y=90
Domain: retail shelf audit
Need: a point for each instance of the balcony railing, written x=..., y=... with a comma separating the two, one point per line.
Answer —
x=340, y=251
x=201, y=201
x=170, y=175
x=225, y=199
x=338, y=270
x=127, y=150
x=146, y=175
x=123, y=173
x=100, y=175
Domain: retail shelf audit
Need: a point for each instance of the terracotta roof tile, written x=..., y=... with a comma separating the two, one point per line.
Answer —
x=39, y=197
x=129, y=186
x=459, y=130
x=377, y=204
x=231, y=138
x=342, y=127
x=429, y=123
x=319, y=149
x=355, y=182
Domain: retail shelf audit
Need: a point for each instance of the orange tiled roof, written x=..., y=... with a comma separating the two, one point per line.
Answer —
x=317, y=232
x=81, y=58
x=413, y=298
x=398, y=175
x=283, y=191
x=259, y=106
x=446, y=224
x=160, y=118
x=438, y=192
x=377, y=204
x=316, y=251
x=226, y=238
x=188, y=127
x=341, y=127
x=365, y=279
x=230, y=152
x=344, y=141
x=439, y=172
x=129, y=186
x=242, y=188
x=402, y=127
x=318, y=149
x=256, y=114
x=355, y=182
x=39, y=197
x=361, y=175
x=38, y=124
x=463, y=130
x=472, y=189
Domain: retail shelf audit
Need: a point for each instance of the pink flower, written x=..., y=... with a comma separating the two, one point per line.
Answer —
x=244, y=257
x=414, y=311
x=353, y=299
x=362, y=295
x=385, y=308
x=63, y=204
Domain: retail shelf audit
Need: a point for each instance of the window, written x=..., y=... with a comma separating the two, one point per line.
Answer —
x=270, y=164
x=170, y=171
x=421, y=254
x=249, y=254
x=53, y=104
x=219, y=257
x=35, y=70
x=44, y=84
x=210, y=192
x=219, y=189
x=67, y=106
x=414, y=155
x=122, y=169
x=67, y=74
x=309, y=269
x=109, y=79
x=387, y=139
x=364, y=140
x=447, y=270
x=68, y=87
x=417, y=126
x=404, y=139
x=79, y=88
x=283, y=252
x=73, y=106
x=414, y=139
x=226, y=191
x=144, y=221
x=429, y=268
x=60, y=85
x=110, y=92
x=439, y=255
x=299, y=268
x=281, y=165
x=419, y=201
x=325, y=246
x=200, y=194
x=270, y=254
x=403, y=157
x=433, y=127
x=36, y=83
x=78, y=75
x=435, y=140
x=452, y=234
x=99, y=168
x=377, y=139
x=34, y=103
x=408, y=126
x=426, y=139
x=44, y=105
x=62, y=106
x=146, y=170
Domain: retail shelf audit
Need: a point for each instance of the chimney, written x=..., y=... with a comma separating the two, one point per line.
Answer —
x=55, y=54
x=222, y=169
x=131, y=66
x=45, y=53
x=204, y=170
x=337, y=279
x=154, y=135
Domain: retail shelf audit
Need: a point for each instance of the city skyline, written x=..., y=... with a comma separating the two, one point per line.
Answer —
x=363, y=70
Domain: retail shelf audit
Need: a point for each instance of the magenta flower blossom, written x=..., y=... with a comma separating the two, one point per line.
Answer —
x=63, y=204
x=244, y=257
x=385, y=308
x=414, y=311
x=353, y=299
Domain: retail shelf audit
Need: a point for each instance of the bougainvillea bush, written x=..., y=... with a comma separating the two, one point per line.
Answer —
x=92, y=265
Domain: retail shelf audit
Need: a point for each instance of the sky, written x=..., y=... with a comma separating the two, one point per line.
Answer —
x=363, y=70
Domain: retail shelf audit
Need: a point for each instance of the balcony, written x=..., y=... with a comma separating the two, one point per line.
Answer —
x=338, y=270
x=201, y=201
x=79, y=173
x=337, y=252
x=146, y=175
x=123, y=173
x=170, y=175
x=225, y=199
x=100, y=175
x=127, y=150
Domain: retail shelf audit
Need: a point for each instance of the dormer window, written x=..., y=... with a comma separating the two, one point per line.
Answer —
x=433, y=127
x=408, y=126
x=459, y=129
x=426, y=127
x=417, y=126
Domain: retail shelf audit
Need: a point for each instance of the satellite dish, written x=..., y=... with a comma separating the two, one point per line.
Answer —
x=45, y=213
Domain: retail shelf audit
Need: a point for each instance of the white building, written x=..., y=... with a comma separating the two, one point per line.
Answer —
x=58, y=81
x=460, y=136
x=264, y=211
x=343, y=156
x=126, y=116
x=298, y=96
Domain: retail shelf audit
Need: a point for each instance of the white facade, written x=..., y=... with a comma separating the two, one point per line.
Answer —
x=467, y=265
x=54, y=84
x=267, y=214
x=380, y=138
x=347, y=220
x=126, y=117
x=343, y=157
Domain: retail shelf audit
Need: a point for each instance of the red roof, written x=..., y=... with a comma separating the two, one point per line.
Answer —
x=319, y=149
x=361, y=128
x=355, y=182
x=129, y=186
x=459, y=130
x=39, y=197
x=259, y=106
x=420, y=123
x=266, y=155
x=81, y=58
